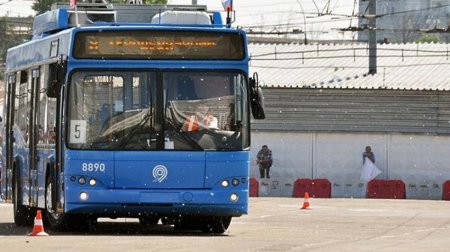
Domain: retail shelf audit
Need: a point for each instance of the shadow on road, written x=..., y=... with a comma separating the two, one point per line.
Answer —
x=10, y=229
x=105, y=226
x=109, y=228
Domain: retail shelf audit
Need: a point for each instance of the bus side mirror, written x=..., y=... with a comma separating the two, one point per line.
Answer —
x=256, y=98
x=57, y=72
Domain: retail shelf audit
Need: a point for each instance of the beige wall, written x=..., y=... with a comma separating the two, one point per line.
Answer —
x=421, y=161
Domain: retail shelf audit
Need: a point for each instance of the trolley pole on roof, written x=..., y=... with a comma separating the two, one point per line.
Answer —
x=73, y=5
x=304, y=20
x=372, y=37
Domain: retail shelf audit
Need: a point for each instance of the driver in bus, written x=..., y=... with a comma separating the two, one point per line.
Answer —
x=208, y=120
x=202, y=119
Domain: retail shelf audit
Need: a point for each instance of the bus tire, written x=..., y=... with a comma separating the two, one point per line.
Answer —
x=217, y=224
x=54, y=220
x=23, y=215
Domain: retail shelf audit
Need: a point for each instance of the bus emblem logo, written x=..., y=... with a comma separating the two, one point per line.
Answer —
x=159, y=173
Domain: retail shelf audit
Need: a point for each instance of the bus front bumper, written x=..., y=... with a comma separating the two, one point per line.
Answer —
x=134, y=202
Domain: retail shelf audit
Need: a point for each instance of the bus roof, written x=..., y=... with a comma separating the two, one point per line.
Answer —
x=63, y=17
x=53, y=31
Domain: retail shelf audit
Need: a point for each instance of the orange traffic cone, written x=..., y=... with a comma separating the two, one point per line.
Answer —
x=306, y=202
x=38, y=229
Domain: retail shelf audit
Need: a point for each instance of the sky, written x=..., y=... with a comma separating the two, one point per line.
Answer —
x=286, y=15
x=16, y=8
x=261, y=15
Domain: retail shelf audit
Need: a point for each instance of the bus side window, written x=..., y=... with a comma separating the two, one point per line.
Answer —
x=47, y=108
x=55, y=79
x=50, y=131
x=21, y=113
x=51, y=134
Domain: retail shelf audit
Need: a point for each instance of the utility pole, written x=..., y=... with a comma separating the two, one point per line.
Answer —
x=372, y=37
x=304, y=20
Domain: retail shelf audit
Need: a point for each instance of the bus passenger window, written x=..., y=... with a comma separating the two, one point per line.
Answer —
x=50, y=130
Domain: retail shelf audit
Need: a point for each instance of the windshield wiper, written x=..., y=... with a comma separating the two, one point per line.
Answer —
x=133, y=132
x=183, y=135
x=100, y=141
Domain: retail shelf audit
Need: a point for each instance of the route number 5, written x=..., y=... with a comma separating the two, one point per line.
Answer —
x=78, y=131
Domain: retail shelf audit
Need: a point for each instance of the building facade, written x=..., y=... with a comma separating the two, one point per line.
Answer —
x=322, y=133
x=319, y=128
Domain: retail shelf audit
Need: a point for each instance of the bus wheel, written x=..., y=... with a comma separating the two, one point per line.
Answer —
x=217, y=224
x=53, y=219
x=23, y=216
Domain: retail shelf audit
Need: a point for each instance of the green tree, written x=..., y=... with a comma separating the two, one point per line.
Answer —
x=41, y=6
x=144, y=1
x=429, y=38
x=156, y=2
x=9, y=39
x=3, y=46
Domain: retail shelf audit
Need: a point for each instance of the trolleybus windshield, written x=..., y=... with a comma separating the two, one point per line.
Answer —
x=128, y=110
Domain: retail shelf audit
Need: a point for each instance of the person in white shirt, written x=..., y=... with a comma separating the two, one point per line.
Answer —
x=208, y=120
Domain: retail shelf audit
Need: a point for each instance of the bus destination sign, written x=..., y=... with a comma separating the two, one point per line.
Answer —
x=157, y=44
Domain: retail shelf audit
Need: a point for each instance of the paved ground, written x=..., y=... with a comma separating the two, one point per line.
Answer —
x=274, y=224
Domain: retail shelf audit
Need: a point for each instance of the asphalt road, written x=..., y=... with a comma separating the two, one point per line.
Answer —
x=274, y=224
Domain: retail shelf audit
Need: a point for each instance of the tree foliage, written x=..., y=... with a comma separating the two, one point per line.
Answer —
x=144, y=1
x=429, y=38
x=156, y=1
x=9, y=39
x=41, y=6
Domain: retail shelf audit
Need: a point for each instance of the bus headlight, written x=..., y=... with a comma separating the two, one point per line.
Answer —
x=81, y=180
x=225, y=183
x=84, y=195
x=234, y=197
x=92, y=182
x=235, y=182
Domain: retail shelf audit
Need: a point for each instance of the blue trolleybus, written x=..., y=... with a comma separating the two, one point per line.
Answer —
x=129, y=111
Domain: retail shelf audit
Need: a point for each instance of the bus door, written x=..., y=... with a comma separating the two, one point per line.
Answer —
x=33, y=135
x=9, y=136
